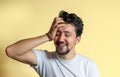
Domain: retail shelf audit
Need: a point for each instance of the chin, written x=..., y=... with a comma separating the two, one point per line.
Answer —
x=59, y=52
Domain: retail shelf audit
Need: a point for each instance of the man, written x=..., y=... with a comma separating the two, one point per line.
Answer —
x=66, y=32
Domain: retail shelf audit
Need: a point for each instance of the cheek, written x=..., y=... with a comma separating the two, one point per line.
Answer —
x=72, y=41
x=55, y=39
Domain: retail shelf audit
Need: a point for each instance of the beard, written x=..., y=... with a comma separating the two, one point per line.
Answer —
x=60, y=51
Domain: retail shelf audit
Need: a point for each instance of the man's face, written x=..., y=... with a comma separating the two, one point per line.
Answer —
x=65, y=39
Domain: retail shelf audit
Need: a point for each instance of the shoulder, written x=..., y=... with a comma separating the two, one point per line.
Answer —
x=43, y=53
x=86, y=60
x=89, y=65
x=39, y=52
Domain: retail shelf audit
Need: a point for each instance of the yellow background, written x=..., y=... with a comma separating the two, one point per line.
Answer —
x=21, y=19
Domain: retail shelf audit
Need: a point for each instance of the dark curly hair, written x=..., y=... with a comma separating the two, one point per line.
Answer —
x=73, y=19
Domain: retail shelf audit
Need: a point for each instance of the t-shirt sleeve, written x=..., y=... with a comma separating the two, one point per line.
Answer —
x=40, y=55
x=93, y=70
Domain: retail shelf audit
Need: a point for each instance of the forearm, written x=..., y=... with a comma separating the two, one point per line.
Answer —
x=25, y=45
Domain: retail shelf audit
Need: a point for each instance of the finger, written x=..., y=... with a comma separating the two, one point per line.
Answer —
x=58, y=20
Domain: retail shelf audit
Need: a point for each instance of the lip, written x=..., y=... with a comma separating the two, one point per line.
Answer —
x=60, y=47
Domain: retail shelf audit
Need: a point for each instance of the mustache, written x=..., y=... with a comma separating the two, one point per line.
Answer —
x=60, y=42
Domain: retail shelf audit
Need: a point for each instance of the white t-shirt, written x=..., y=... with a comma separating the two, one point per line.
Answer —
x=50, y=65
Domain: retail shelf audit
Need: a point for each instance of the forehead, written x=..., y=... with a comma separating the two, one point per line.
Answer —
x=66, y=27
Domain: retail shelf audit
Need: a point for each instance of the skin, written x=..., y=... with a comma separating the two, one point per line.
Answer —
x=65, y=40
x=59, y=32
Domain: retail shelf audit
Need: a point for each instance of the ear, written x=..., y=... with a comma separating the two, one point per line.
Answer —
x=78, y=39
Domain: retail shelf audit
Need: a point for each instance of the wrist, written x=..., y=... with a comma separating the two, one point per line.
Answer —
x=49, y=36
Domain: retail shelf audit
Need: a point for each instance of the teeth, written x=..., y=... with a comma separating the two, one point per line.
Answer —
x=62, y=44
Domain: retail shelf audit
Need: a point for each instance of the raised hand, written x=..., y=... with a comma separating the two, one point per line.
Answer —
x=55, y=25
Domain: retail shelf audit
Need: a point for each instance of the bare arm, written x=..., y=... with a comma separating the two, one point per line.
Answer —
x=22, y=50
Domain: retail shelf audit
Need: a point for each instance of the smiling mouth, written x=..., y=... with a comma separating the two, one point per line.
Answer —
x=61, y=44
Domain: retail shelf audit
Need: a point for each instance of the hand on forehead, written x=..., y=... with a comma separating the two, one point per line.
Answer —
x=59, y=20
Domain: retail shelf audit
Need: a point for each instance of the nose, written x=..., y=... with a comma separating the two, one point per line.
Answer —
x=61, y=37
